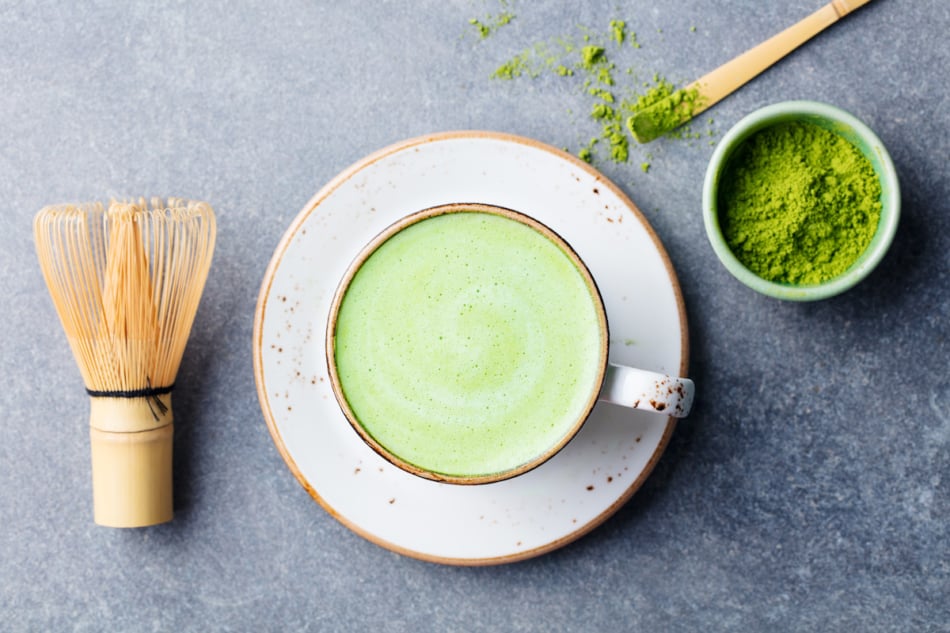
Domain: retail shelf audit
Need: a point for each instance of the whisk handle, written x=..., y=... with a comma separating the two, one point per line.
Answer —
x=131, y=445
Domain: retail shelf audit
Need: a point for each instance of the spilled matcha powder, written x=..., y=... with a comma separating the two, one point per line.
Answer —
x=798, y=204
x=615, y=96
x=618, y=31
x=488, y=25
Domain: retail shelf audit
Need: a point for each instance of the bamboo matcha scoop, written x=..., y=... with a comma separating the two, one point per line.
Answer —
x=708, y=90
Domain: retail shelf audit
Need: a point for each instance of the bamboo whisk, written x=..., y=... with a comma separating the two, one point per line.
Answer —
x=126, y=281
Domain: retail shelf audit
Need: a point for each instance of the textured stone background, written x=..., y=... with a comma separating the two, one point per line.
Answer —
x=808, y=491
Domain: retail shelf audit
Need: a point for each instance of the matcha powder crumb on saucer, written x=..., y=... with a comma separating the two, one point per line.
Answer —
x=798, y=204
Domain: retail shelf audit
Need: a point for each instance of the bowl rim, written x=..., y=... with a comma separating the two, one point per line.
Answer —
x=794, y=111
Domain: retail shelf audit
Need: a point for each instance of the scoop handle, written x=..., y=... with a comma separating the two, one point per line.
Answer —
x=719, y=83
x=714, y=86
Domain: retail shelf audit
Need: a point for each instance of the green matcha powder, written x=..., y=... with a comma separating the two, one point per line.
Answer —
x=614, y=96
x=798, y=204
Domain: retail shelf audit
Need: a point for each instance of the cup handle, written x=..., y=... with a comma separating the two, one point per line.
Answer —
x=651, y=391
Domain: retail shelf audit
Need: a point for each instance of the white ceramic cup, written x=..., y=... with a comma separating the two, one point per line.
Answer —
x=627, y=386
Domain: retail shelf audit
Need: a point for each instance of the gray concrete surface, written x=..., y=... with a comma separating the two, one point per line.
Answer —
x=808, y=490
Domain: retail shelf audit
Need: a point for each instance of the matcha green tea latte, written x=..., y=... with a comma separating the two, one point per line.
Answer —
x=467, y=343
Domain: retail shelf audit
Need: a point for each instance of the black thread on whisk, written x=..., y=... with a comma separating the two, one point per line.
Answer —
x=151, y=395
x=134, y=393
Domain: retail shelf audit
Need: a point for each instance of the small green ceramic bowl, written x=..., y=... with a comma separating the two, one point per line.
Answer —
x=843, y=124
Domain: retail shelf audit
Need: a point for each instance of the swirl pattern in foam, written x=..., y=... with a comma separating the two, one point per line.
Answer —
x=469, y=343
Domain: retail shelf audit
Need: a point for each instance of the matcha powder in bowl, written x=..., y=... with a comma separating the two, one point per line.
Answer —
x=801, y=200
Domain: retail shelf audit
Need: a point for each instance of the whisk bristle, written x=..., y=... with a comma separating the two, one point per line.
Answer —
x=126, y=281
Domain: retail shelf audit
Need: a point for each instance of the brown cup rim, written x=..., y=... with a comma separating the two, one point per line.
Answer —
x=379, y=240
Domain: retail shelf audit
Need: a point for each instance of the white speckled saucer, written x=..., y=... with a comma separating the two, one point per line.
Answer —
x=511, y=520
